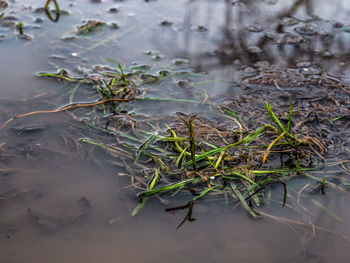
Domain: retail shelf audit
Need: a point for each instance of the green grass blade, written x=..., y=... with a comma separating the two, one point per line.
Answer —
x=246, y=139
x=116, y=151
x=111, y=93
x=143, y=201
x=218, y=161
x=168, y=187
x=160, y=164
x=174, y=139
x=208, y=159
x=278, y=123
x=125, y=135
x=243, y=176
x=338, y=118
x=265, y=181
x=204, y=192
x=230, y=112
x=274, y=117
x=243, y=201
x=74, y=91
x=181, y=156
x=144, y=146
x=327, y=211
x=290, y=115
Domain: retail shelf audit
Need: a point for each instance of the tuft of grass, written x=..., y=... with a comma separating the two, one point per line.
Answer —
x=181, y=164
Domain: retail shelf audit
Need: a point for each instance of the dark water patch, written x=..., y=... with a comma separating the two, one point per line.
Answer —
x=49, y=223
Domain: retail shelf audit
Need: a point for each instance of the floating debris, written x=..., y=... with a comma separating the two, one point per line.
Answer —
x=92, y=26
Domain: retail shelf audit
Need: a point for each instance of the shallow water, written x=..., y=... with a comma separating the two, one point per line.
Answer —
x=77, y=209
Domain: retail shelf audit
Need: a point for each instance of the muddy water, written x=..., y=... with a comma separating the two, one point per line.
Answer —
x=60, y=200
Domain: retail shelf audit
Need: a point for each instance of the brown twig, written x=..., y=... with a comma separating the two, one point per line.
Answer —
x=67, y=107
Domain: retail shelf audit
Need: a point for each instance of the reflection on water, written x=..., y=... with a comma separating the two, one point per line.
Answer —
x=61, y=200
x=282, y=33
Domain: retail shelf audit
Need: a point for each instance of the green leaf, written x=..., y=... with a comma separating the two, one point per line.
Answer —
x=243, y=201
x=143, y=201
x=144, y=146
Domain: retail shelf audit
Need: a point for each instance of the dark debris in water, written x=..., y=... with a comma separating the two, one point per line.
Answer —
x=19, y=195
x=29, y=128
x=3, y=5
x=91, y=26
x=49, y=223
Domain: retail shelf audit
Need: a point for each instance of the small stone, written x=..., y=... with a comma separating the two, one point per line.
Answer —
x=38, y=20
x=338, y=25
x=166, y=23
x=113, y=10
x=254, y=50
x=292, y=39
x=9, y=18
x=303, y=64
x=308, y=69
x=200, y=28
x=180, y=61
x=8, y=24
x=254, y=28
x=273, y=37
x=114, y=25
x=321, y=33
x=327, y=53
x=305, y=30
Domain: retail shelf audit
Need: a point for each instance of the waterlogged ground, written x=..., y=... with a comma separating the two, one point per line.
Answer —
x=62, y=199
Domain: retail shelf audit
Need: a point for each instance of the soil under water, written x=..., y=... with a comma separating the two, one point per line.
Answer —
x=64, y=200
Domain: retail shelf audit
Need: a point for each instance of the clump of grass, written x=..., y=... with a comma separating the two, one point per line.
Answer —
x=188, y=164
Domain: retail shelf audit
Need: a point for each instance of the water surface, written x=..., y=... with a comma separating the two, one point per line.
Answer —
x=61, y=200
